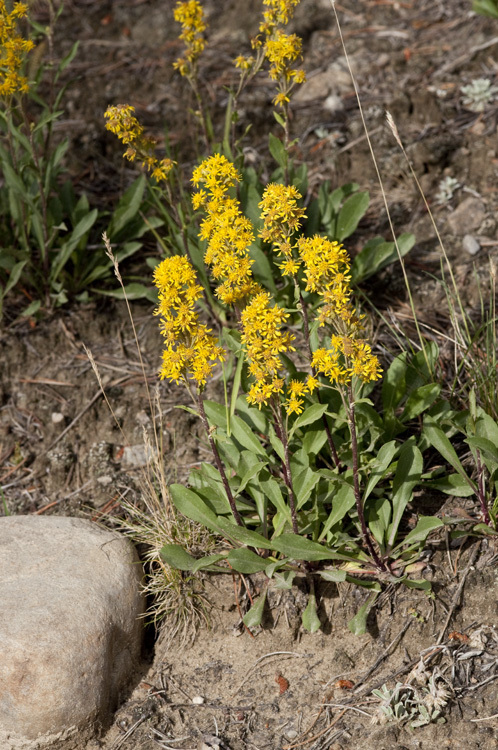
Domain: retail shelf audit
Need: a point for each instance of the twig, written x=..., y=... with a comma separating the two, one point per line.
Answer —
x=456, y=597
x=486, y=718
x=130, y=731
x=316, y=736
x=76, y=419
x=262, y=658
x=385, y=654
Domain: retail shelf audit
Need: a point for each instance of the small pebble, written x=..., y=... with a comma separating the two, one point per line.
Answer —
x=57, y=417
x=291, y=734
x=198, y=700
x=470, y=244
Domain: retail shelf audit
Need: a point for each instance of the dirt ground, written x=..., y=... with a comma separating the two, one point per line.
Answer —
x=62, y=451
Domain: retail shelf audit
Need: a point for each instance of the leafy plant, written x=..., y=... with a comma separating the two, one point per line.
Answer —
x=46, y=230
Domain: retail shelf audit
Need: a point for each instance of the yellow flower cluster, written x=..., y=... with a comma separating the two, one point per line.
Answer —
x=326, y=268
x=327, y=271
x=228, y=233
x=280, y=49
x=191, y=350
x=281, y=218
x=191, y=16
x=123, y=123
x=264, y=340
x=356, y=360
x=296, y=390
x=12, y=51
x=280, y=11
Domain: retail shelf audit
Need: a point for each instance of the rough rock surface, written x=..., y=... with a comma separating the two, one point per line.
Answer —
x=70, y=637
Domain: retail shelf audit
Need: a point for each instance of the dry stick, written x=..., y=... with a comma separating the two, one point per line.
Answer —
x=316, y=736
x=217, y=459
x=77, y=417
x=356, y=485
x=456, y=597
x=385, y=654
x=258, y=661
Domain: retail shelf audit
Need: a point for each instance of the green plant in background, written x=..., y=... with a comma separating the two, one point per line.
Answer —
x=46, y=229
x=486, y=7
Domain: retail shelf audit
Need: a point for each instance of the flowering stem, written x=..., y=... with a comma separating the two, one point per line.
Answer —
x=304, y=311
x=356, y=485
x=217, y=460
x=481, y=492
x=282, y=436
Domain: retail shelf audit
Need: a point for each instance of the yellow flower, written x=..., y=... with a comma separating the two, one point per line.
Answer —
x=264, y=340
x=281, y=218
x=190, y=15
x=191, y=350
x=13, y=48
x=244, y=63
x=123, y=123
x=227, y=231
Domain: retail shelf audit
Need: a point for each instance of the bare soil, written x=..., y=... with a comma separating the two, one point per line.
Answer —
x=62, y=451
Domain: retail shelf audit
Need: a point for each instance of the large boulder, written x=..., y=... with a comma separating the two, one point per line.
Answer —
x=70, y=633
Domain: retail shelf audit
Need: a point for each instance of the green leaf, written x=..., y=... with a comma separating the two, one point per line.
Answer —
x=14, y=276
x=425, y=525
x=380, y=466
x=408, y=473
x=277, y=150
x=358, y=624
x=300, y=548
x=284, y=580
x=272, y=491
x=342, y=502
x=350, y=214
x=176, y=557
x=310, y=619
x=251, y=472
x=485, y=446
x=127, y=209
x=379, y=516
x=242, y=535
x=253, y=618
x=131, y=291
x=209, y=563
x=309, y=415
x=417, y=583
x=246, y=561
x=420, y=400
x=451, y=484
x=303, y=484
x=192, y=506
x=438, y=439
x=245, y=436
x=335, y=574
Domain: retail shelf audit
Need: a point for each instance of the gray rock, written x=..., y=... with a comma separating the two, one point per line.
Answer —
x=467, y=216
x=70, y=637
x=470, y=244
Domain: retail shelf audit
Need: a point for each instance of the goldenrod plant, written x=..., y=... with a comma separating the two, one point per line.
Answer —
x=316, y=450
